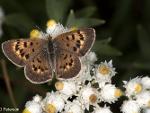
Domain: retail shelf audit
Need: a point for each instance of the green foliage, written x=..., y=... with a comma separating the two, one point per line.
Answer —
x=19, y=21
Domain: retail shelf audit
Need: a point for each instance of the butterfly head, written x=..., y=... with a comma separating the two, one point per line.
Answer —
x=49, y=37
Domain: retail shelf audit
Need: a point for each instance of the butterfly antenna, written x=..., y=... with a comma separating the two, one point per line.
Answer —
x=54, y=30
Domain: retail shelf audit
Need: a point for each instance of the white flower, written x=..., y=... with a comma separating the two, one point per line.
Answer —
x=33, y=107
x=133, y=87
x=66, y=87
x=146, y=82
x=89, y=58
x=143, y=99
x=83, y=75
x=146, y=110
x=53, y=102
x=105, y=72
x=55, y=29
x=130, y=106
x=109, y=93
x=102, y=110
x=1, y=20
x=88, y=96
x=73, y=107
x=37, y=98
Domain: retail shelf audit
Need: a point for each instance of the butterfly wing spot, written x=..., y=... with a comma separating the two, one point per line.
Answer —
x=27, y=56
x=65, y=56
x=69, y=67
x=23, y=49
x=33, y=50
x=25, y=44
x=38, y=67
x=67, y=45
x=74, y=49
x=31, y=43
x=73, y=37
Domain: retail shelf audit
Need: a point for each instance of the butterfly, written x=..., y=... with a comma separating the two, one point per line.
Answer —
x=44, y=57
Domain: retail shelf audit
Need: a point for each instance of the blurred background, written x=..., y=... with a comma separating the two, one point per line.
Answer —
x=122, y=29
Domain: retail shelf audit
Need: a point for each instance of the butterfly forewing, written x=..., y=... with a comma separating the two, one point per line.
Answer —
x=78, y=41
x=38, y=69
x=21, y=50
x=67, y=64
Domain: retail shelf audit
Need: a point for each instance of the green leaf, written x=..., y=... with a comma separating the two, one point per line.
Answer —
x=144, y=41
x=20, y=21
x=88, y=22
x=57, y=9
x=142, y=65
x=86, y=12
x=71, y=19
x=105, y=49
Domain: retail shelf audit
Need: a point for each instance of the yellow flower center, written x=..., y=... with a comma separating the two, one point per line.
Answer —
x=104, y=70
x=118, y=93
x=50, y=108
x=73, y=28
x=93, y=98
x=138, y=88
x=26, y=111
x=59, y=85
x=149, y=103
x=50, y=23
x=35, y=33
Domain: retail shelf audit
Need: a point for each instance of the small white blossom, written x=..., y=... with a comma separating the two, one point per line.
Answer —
x=53, y=102
x=146, y=110
x=102, y=110
x=33, y=107
x=109, y=93
x=130, y=106
x=55, y=29
x=89, y=58
x=146, y=82
x=37, y=98
x=105, y=71
x=88, y=96
x=83, y=75
x=143, y=99
x=73, y=107
x=67, y=88
x=133, y=87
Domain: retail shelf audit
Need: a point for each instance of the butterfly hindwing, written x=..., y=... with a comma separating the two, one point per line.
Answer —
x=38, y=69
x=77, y=41
x=19, y=51
x=67, y=64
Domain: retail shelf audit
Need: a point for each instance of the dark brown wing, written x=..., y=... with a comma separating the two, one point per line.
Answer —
x=38, y=69
x=21, y=50
x=78, y=41
x=67, y=64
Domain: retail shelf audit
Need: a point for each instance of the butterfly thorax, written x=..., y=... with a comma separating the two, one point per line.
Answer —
x=51, y=49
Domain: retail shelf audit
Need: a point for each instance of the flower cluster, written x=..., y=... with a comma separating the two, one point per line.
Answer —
x=138, y=93
x=92, y=86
